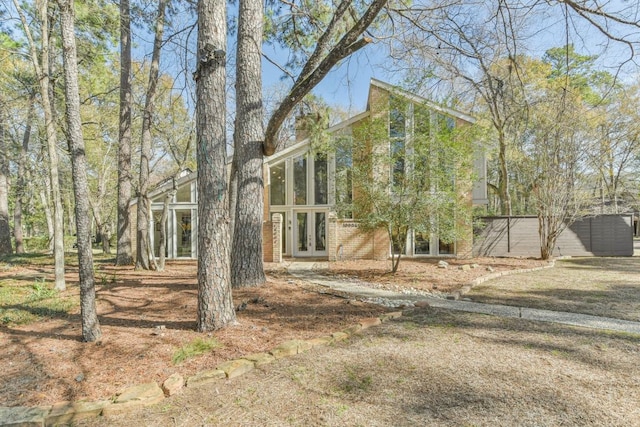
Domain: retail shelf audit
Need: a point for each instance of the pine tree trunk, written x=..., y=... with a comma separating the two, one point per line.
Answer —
x=5, y=228
x=215, y=304
x=21, y=180
x=47, y=212
x=123, y=248
x=246, y=258
x=90, y=326
x=143, y=241
x=43, y=74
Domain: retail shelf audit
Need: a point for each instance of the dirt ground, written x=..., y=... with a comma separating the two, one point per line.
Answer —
x=147, y=316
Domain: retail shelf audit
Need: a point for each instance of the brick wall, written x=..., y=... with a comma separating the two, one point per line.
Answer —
x=267, y=238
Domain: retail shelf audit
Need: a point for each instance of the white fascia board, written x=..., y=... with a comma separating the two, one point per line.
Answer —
x=303, y=145
x=167, y=186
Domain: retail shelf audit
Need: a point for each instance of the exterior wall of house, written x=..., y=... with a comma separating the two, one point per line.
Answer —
x=345, y=239
x=267, y=241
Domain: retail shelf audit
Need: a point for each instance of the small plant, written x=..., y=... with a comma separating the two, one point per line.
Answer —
x=27, y=304
x=356, y=382
x=40, y=291
x=194, y=348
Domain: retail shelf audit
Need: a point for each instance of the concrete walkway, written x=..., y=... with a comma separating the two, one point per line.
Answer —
x=312, y=272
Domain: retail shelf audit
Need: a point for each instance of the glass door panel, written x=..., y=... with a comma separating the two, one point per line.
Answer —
x=320, y=232
x=310, y=233
x=302, y=238
x=183, y=220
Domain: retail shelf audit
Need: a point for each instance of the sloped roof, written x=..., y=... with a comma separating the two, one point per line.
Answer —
x=389, y=88
x=422, y=100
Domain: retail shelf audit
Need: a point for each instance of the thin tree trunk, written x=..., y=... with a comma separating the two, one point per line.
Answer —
x=163, y=231
x=503, y=176
x=43, y=72
x=123, y=248
x=47, y=212
x=215, y=304
x=153, y=264
x=246, y=258
x=105, y=234
x=90, y=326
x=20, y=178
x=102, y=228
x=5, y=228
x=142, y=243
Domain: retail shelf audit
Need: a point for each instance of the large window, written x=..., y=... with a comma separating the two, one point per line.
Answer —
x=320, y=179
x=445, y=153
x=397, y=136
x=278, y=189
x=300, y=180
x=344, y=176
x=421, y=244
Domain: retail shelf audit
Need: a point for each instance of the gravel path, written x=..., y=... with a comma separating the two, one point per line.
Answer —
x=311, y=271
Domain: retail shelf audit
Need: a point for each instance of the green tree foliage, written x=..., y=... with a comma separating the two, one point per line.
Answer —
x=410, y=173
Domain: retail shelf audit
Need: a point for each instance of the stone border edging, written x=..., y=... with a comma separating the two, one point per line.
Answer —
x=141, y=395
x=475, y=282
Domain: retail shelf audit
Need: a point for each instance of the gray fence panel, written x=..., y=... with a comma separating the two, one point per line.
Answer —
x=604, y=235
x=576, y=240
x=525, y=241
x=612, y=235
x=494, y=238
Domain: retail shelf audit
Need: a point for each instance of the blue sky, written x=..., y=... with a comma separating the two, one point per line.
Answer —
x=347, y=85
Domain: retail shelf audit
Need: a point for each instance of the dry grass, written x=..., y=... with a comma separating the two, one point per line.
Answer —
x=599, y=286
x=430, y=368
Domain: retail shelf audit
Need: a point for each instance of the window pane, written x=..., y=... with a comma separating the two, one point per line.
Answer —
x=320, y=180
x=183, y=195
x=397, y=133
x=321, y=244
x=421, y=244
x=344, y=177
x=183, y=219
x=446, y=248
x=278, y=192
x=396, y=123
x=398, y=161
x=300, y=180
x=422, y=120
x=302, y=231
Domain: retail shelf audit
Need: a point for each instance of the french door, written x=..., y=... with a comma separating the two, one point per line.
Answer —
x=310, y=233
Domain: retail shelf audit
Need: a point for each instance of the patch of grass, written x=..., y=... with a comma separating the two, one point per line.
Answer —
x=194, y=348
x=356, y=381
x=409, y=325
x=341, y=409
x=297, y=373
x=26, y=304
